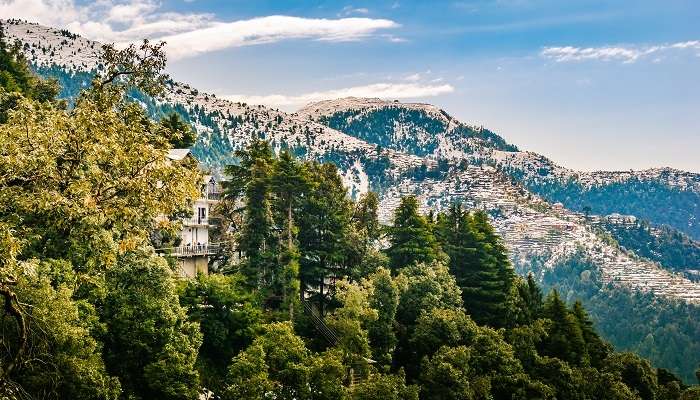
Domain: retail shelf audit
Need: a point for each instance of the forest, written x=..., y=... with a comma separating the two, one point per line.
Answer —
x=669, y=247
x=325, y=304
x=652, y=201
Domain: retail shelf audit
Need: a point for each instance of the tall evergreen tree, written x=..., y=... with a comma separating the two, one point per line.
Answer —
x=178, y=132
x=529, y=301
x=596, y=347
x=323, y=230
x=290, y=185
x=479, y=262
x=239, y=175
x=411, y=238
x=366, y=217
x=565, y=339
x=257, y=239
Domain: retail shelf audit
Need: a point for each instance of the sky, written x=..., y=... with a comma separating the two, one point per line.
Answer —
x=592, y=85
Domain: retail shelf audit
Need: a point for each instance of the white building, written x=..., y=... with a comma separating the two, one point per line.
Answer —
x=194, y=248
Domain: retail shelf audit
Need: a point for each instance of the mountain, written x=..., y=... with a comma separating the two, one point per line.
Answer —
x=548, y=215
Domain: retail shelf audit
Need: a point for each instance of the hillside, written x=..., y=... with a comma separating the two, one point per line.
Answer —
x=398, y=149
x=664, y=196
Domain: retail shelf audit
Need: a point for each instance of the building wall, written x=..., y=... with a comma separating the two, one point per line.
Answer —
x=190, y=266
x=195, y=230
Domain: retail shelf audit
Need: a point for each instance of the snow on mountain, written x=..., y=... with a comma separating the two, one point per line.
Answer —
x=398, y=149
x=46, y=46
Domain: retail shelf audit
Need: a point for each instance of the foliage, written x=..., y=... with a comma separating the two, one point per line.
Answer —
x=229, y=320
x=665, y=245
x=149, y=344
x=479, y=262
x=92, y=312
x=411, y=238
x=649, y=200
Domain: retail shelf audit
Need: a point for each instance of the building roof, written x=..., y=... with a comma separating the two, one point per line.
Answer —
x=178, y=154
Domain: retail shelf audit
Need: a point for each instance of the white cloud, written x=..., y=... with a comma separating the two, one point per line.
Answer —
x=381, y=90
x=413, y=77
x=272, y=29
x=347, y=10
x=613, y=53
x=187, y=34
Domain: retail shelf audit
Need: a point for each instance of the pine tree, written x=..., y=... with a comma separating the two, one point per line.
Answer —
x=565, y=340
x=239, y=175
x=290, y=186
x=366, y=217
x=596, y=347
x=411, y=239
x=178, y=132
x=257, y=240
x=530, y=297
x=479, y=262
x=323, y=230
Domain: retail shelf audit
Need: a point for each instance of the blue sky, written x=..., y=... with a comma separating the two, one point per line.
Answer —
x=590, y=84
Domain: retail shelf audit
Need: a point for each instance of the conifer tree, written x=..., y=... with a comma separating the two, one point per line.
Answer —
x=479, y=262
x=239, y=175
x=366, y=216
x=257, y=239
x=529, y=300
x=290, y=186
x=596, y=347
x=323, y=230
x=565, y=339
x=411, y=238
x=178, y=132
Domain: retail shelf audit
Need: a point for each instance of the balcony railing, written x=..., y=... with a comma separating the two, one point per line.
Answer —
x=195, y=221
x=214, y=195
x=191, y=251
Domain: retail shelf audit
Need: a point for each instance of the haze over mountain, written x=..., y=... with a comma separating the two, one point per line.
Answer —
x=567, y=226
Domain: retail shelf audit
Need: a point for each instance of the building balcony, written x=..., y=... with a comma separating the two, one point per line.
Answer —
x=191, y=251
x=195, y=221
x=214, y=195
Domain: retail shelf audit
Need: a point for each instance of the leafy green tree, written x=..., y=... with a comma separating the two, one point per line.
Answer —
x=422, y=288
x=410, y=236
x=447, y=376
x=635, y=372
x=273, y=366
x=385, y=386
x=149, y=342
x=248, y=376
x=229, y=320
x=62, y=359
x=79, y=189
x=384, y=299
x=89, y=182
